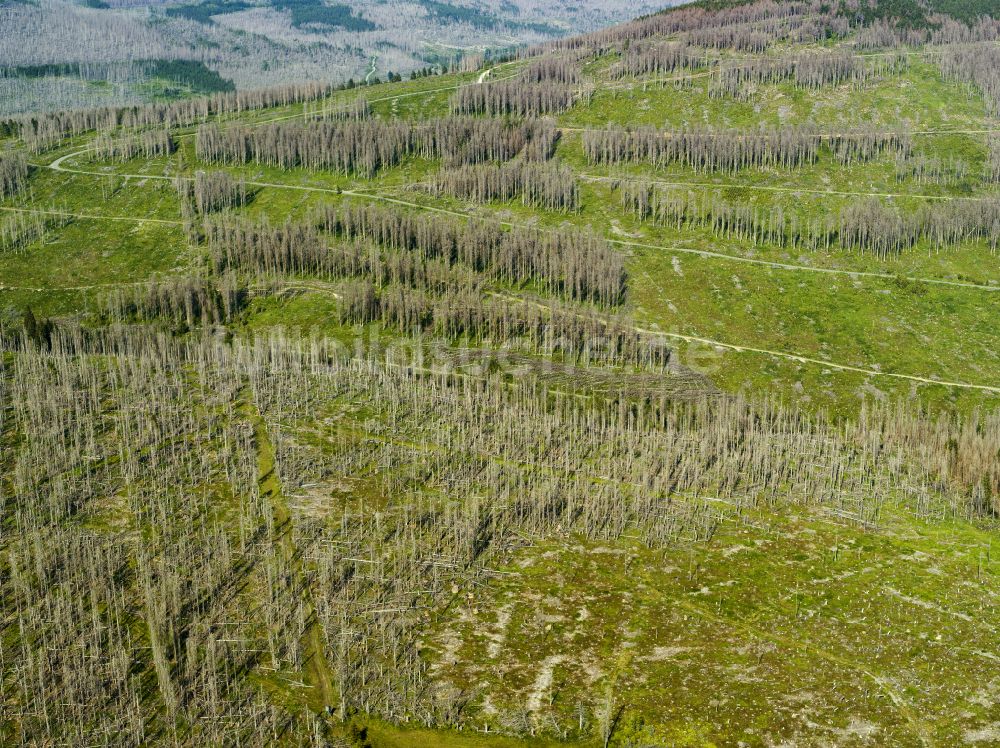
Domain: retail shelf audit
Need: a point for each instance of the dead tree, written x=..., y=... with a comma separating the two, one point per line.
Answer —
x=13, y=173
x=550, y=186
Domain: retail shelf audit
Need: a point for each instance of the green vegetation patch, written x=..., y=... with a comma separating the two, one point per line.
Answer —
x=317, y=13
x=194, y=75
x=733, y=640
x=203, y=12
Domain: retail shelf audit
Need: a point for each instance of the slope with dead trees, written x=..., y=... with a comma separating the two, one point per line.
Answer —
x=575, y=264
x=127, y=606
x=739, y=79
x=212, y=535
x=356, y=109
x=747, y=27
x=158, y=484
x=552, y=68
x=932, y=169
x=976, y=65
x=550, y=186
x=729, y=151
x=13, y=173
x=551, y=329
x=993, y=160
x=758, y=25
x=657, y=58
x=515, y=98
x=365, y=146
x=871, y=226
x=292, y=250
x=146, y=144
x=19, y=230
x=186, y=301
x=42, y=131
x=390, y=245
x=209, y=192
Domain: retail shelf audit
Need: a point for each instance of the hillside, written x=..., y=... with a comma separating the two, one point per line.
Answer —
x=637, y=389
x=55, y=54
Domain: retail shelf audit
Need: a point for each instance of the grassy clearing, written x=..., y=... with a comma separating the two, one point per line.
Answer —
x=779, y=608
x=872, y=324
x=88, y=253
x=919, y=98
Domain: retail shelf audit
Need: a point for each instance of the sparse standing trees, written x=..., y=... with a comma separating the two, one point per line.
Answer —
x=977, y=65
x=870, y=226
x=993, y=160
x=147, y=144
x=365, y=146
x=732, y=150
x=13, y=173
x=550, y=186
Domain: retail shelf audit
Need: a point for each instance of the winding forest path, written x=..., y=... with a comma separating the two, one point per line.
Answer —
x=57, y=165
x=798, y=358
x=676, y=249
x=774, y=188
x=92, y=216
x=821, y=362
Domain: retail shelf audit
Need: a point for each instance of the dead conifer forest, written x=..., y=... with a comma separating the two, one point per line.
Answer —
x=638, y=388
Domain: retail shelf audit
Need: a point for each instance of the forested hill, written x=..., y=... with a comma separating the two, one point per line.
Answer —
x=914, y=13
x=639, y=388
x=58, y=54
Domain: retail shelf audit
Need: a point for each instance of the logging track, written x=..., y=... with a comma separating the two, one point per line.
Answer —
x=316, y=667
x=58, y=165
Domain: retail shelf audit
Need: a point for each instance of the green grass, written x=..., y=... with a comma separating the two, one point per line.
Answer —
x=89, y=253
x=870, y=324
x=381, y=735
x=796, y=615
x=920, y=98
